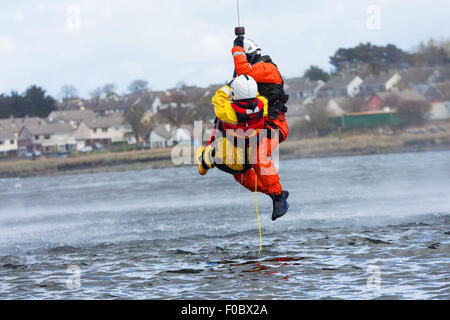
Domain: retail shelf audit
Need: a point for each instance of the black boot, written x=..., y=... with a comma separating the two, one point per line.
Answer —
x=280, y=205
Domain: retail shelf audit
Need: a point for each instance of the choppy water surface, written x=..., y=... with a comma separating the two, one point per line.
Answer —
x=358, y=227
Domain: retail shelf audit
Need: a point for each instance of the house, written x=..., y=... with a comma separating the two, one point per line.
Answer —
x=8, y=141
x=183, y=135
x=186, y=96
x=160, y=137
x=47, y=137
x=9, y=133
x=112, y=104
x=438, y=95
x=390, y=100
x=418, y=76
x=341, y=86
x=386, y=81
x=302, y=88
x=103, y=130
x=73, y=117
x=339, y=106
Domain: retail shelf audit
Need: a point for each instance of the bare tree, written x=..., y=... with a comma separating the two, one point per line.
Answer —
x=109, y=88
x=356, y=105
x=413, y=112
x=96, y=94
x=138, y=86
x=176, y=112
x=68, y=92
x=137, y=117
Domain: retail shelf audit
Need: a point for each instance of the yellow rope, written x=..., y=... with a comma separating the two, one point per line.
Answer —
x=257, y=214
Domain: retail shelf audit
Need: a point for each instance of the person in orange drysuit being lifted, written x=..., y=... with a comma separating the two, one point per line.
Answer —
x=241, y=113
x=248, y=60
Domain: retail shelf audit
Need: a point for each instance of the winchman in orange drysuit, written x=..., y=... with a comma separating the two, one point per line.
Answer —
x=241, y=113
x=248, y=60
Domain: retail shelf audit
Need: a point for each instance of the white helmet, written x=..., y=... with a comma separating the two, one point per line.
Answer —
x=244, y=87
x=250, y=46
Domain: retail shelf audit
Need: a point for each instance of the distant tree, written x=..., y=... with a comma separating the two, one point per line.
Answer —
x=315, y=124
x=314, y=73
x=176, y=112
x=180, y=85
x=413, y=112
x=392, y=100
x=38, y=102
x=136, y=117
x=109, y=89
x=68, y=92
x=357, y=105
x=138, y=86
x=371, y=58
x=34, y=102
x=432, y=54
x=202, y=110
x=96, y=95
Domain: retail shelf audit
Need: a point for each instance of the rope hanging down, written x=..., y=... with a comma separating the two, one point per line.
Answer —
x=257, y=214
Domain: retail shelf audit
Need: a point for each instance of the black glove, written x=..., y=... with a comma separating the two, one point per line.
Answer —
x=239, y=42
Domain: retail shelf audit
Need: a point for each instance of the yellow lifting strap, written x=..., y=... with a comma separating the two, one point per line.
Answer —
x=257, y=214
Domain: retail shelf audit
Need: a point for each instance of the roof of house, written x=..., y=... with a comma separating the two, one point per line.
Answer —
x=416, y=76
x=6, y=133
x=49, y=128
x=402, y=95
x=339, y=81
x=188, y=94
x=112, y=102
x=162, y=131
x=444, y=74
x=188, y=127
x=68, y=115
x=381, y=79
x=104, y=122
x=16, y=124
x=296, y=110
x=300, y=84
x=444, y=89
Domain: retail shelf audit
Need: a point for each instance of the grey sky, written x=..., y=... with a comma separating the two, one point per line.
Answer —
x=165, y=41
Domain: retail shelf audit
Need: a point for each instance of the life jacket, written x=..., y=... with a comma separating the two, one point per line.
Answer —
x=249, y=114
x=274, y=92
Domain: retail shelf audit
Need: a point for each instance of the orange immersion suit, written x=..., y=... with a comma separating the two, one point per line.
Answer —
x=261, y=167
x=270, y=85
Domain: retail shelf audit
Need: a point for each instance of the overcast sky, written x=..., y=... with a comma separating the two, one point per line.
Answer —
x=88, y=43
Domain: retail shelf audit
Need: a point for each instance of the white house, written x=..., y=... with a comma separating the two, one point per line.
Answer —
x=438, y=95
x=160, y=137
x=302, y=88
x=440, y=110
x=183, y=135
x=386, y=81
x=8, y=141
x=341, y=86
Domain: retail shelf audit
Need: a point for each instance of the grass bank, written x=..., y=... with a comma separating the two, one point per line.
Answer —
x=110, y=161
x=350, y=144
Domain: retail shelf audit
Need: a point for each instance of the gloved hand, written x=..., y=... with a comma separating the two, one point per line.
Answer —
x=239, y=41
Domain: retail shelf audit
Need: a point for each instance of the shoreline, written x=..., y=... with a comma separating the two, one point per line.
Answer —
x=161, y=158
